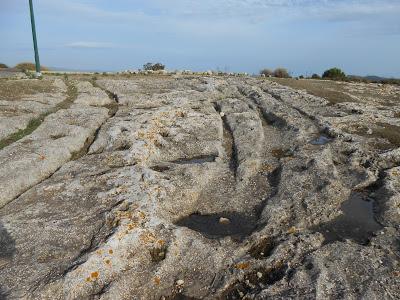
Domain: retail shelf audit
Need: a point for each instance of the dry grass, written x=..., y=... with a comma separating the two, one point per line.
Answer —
x=28, y=66
x=338, y=92
x=35, y=123
x=388, y=132
x=17, y=89
x=329, y=90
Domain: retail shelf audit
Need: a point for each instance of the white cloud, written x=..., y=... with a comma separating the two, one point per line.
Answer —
x=331, y=10
x=223, y=17
x=246, y=10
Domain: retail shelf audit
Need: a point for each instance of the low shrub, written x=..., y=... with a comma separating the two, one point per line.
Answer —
x=315, y=76
x=281, y=73
x=27, y=66
x=267, y=72
x=153, y=67
x=334, y=73
x=3, y=66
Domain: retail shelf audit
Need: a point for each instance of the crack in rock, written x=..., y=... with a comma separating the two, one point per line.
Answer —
x=191, y=187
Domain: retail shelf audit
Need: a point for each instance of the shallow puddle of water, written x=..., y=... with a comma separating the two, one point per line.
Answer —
x=357, y=222
x=238, y=227
x=321, y=140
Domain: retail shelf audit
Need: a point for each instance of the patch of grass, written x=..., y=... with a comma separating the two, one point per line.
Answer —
x=32, y=125
x=72, y=94
x=16, y=89
x=319, y=88
x=338, y=92
x=383, y=131
x=388, y=132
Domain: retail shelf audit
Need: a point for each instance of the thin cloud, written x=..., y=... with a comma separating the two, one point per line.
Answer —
x=253, y=11
x=90, y=45
x=330, y=10
x=92, y=11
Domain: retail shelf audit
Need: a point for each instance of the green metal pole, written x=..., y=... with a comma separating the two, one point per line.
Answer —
x=37, y=62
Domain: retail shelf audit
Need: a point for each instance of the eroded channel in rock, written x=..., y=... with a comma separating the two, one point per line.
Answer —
x=220, y=225
x=202, y=188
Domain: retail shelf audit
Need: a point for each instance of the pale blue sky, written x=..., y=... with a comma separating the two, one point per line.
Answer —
x=305, y=36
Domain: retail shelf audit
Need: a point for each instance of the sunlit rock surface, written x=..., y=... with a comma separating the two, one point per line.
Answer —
x=202, y=188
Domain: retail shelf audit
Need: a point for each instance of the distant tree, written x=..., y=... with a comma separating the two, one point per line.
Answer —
x=301, y=77
x=281, y=73
x=27, y=66
x=266, y=72
x=148, y=67
x=153, y=67
x=315, y=76
x=334, y=73
x=3, y=66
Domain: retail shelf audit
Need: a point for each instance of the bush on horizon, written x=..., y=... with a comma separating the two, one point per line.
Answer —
x=27, y=66
x=3, y=66
x=153, y=67
x=266, y=72
x=315, y=76
x=281, y=73
x=334, y=73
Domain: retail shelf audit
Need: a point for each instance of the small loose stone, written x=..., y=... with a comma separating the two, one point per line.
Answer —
x=224, y=221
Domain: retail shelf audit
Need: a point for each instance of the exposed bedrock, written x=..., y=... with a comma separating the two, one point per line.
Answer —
x=198, y=188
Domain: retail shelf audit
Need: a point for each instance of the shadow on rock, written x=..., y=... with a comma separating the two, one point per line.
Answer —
x=7, y=244
x=217, y=226
x=2, y=295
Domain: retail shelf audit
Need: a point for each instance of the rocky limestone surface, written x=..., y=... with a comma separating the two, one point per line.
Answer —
x=90, y=95
x=202, y=188
x=17, y=112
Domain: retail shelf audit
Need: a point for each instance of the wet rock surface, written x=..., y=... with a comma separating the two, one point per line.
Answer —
x=201, y=188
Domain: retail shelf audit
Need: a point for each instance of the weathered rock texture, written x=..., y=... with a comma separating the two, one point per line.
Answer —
x=21, y=102
x=202, y=188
